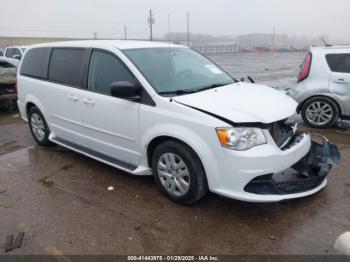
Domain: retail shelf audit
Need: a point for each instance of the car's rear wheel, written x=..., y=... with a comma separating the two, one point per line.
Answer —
x=320, y=112
x=179, y=172
x=38, y=127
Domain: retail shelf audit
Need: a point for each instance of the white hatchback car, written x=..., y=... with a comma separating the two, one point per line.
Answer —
x=323, y=90
x=154, y=108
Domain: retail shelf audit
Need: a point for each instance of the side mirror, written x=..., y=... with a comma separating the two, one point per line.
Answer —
x=125, y=90
x=18, y=57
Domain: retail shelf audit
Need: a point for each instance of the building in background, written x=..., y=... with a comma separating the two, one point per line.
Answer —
x=263, y=42
x=24, y=41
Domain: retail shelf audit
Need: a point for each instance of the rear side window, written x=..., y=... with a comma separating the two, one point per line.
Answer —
x=10, y=52
x=339, y=63
x=66, y=66
x=35, y=63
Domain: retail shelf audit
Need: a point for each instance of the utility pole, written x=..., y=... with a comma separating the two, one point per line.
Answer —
x=188, y=29
x=273, y=37
x=125, y=34
x=151, y=22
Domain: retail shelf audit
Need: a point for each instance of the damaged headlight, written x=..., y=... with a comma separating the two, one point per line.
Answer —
x=241, y=138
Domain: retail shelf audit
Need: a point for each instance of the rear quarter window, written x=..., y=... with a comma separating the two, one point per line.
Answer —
x=339, y=63
x=35, y=63
x=66, y=66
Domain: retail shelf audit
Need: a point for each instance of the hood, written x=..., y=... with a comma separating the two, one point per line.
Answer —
x=243, y=103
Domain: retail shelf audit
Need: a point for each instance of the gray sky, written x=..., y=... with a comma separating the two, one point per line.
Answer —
x=80, y=18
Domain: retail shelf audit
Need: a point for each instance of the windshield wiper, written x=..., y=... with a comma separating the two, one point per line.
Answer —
x=211, y=87
x=177, y=92
x=191, y=91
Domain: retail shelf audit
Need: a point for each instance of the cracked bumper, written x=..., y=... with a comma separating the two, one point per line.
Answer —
x=306, y=176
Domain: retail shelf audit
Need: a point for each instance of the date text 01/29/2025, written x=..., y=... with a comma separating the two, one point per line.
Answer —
x=173, y=258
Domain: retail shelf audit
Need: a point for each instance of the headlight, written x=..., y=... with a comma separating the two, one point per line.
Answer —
x=241, y=138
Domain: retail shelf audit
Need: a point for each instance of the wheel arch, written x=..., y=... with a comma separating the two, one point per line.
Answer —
x=33, y=101
x=340, y=110
x=156, y=141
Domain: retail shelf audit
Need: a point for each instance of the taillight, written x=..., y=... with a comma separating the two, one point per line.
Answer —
x=305, y=68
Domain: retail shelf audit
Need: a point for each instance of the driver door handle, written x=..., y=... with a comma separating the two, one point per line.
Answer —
x=88, y=101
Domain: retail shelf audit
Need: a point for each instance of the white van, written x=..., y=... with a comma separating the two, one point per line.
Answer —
x=154, y=108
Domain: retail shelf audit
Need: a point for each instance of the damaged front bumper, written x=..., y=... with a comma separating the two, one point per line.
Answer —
x=307, y=174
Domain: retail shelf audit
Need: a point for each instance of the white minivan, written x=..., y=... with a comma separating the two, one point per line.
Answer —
x=156, y=108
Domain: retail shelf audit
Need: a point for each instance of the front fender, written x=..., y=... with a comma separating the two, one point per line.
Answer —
x=186, y=135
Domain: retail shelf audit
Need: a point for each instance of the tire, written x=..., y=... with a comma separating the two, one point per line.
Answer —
x=173, y=184
x=320, y=112
x=38, y=127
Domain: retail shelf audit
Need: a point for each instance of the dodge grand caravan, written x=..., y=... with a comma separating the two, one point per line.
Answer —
x=154, y=108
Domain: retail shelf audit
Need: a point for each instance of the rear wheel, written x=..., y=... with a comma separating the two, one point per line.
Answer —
x=320, y=112
x=179, y=173
x=38, y=127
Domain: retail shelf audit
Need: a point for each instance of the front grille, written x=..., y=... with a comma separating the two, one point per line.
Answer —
x=282, y=132
x=272, y=184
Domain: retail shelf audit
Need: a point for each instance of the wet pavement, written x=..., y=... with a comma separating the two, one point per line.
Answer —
x=60, y=200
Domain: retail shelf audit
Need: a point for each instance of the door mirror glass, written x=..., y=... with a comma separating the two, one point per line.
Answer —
x=125, y=90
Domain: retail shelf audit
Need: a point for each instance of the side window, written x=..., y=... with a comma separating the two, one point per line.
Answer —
x=17, y=52
x=35, y=63
x=339, y=63
x=105, y=69
x=66, y=66
x=10, y=52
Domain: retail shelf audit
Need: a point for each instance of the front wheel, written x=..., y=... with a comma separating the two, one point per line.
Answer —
x=179, y=172
x=320, y=112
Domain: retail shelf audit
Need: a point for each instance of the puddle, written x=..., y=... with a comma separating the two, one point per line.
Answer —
x=9, y=147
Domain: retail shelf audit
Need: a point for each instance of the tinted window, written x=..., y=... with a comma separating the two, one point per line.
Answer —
x=10, y=52
x=35, y=63
x=339, y=62
x=66, y=66
x=1, y=52
x=105, y=69
x=17, y=52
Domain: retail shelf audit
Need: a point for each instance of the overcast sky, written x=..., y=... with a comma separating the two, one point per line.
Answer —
x=81, y=18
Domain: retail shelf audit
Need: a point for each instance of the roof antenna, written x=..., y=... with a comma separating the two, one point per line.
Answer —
x=325, y=43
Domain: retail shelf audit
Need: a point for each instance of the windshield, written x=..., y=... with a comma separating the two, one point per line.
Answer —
x=177, y=70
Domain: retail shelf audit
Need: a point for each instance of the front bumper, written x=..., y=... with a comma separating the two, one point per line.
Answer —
x=269, y=174
x=307, y=174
